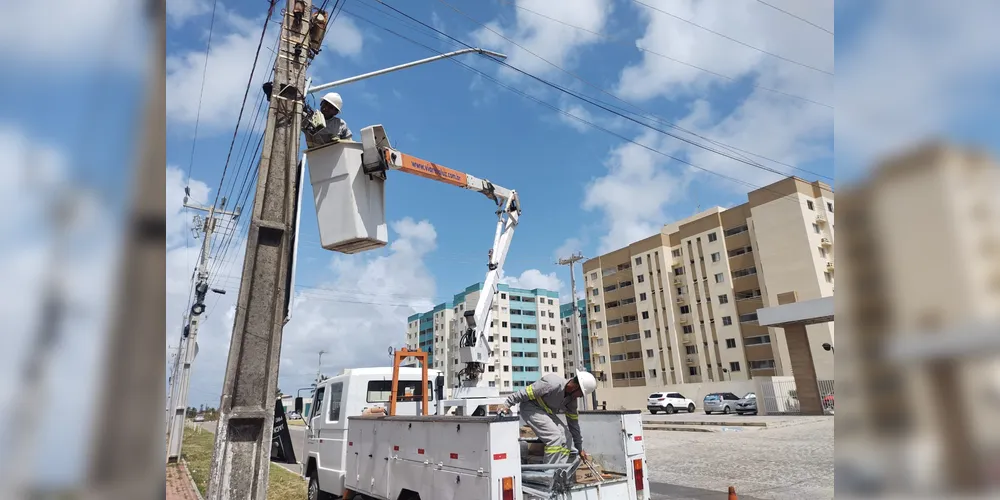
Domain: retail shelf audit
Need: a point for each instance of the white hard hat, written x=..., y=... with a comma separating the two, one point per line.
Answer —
x=586, y=381
x=334, y=99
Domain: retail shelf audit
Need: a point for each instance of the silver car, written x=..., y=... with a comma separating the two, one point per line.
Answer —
x=747, y=404
x=722, y=402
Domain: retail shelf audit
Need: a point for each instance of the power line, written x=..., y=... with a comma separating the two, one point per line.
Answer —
x=587, y=122
x=727, y=37
x=603, y=105
x=239, y=119
x=664, y=56
x=201, y=94
x=795, y=16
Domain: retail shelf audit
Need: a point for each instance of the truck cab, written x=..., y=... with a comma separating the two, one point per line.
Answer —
x=356, y=392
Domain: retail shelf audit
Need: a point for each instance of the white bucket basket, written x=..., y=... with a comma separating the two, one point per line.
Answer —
x=350, y=206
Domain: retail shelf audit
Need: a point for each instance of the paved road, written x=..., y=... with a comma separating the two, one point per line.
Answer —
x=791, y=459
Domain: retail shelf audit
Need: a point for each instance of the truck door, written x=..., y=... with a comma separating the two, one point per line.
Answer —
x=316, y=415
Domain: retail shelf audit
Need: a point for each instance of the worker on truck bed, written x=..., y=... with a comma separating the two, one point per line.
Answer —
x=336, y=127
x=542, y=400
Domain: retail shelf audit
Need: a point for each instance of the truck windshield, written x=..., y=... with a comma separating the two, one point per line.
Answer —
x=379, y=391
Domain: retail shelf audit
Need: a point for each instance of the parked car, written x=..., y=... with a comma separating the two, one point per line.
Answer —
x=747, y=404
x=724, y=402
x=294, y=416
x=828, y=401
x=199, y=418
x=668, y=402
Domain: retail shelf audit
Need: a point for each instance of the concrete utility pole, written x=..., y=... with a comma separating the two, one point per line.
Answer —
x=246, y=411
x=575, y=328
x=125, y=459
x=188, y=346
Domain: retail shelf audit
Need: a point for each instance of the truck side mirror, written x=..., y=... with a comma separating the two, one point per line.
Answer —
x=298, y=406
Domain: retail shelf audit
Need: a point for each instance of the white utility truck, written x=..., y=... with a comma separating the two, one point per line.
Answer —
x=425, y=447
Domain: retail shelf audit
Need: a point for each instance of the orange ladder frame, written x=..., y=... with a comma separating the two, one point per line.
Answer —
x=397, y=358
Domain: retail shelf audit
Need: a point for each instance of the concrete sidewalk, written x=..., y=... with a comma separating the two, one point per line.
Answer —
x=179, y=484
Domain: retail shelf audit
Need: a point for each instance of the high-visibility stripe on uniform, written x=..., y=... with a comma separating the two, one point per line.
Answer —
x=540, y=401
x=558, y=449
x=572, y=416
x=531, y=393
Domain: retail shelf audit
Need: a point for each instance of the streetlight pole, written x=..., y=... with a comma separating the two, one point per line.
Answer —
x=319, y=367
x=345, y=81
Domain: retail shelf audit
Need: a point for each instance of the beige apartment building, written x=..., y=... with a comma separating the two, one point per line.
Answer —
x=681, y=306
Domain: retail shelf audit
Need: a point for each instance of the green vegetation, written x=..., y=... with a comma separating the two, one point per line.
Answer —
x=197, y=452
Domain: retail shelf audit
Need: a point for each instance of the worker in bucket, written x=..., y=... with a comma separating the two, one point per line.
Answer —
x=336, y=127
x=542, y=401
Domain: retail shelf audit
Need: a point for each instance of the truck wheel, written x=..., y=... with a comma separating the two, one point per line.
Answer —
x=313, y=492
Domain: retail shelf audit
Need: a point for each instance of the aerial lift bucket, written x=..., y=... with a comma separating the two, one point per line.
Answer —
x=350, y=205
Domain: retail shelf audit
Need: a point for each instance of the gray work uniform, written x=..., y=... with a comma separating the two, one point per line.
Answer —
x=540, y=403
x=335, y=129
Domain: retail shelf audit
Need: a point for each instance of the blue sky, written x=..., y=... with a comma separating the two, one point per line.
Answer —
x=905, y=70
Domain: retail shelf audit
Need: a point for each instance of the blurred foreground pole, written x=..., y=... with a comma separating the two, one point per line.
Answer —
x=126, y=454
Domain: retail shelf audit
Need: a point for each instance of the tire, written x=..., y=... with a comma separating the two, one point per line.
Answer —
x=726, y=410
x=670, y=410
x=313, y=493
x=691, y=408
x=707, y=412
x=652, y=412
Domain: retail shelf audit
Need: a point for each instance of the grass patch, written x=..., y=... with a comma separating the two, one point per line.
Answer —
x=296, y=422
x=282, y=483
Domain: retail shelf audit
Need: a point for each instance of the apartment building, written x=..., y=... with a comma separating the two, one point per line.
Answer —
x=681, y=306
x=566, y=320
x=525, y=336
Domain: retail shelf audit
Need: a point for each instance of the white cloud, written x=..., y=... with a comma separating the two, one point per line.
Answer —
x=74, y=34
x=344, y=37
x=569, y=247
x=557, y=43
x=181, y=11
x=234, y=45
x=915, y=69
x=634, y=193
x=533, y=278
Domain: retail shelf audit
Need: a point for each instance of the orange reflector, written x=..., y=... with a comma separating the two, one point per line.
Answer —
x=508, y=488
x=639, y=478
x=454, y=456
x=499, y=456
x=395, y=448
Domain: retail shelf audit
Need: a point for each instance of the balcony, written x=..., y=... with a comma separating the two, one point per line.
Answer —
x=678, y=281
x=829, y=266
x=820, y=219
x=692, y=360
x=825, y=242
x=687, y=338
x=684, y=320
x=681, y=301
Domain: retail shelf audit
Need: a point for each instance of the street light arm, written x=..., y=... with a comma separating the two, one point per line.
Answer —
x=345, y=81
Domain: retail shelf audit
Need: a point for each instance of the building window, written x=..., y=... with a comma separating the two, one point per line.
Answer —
x=712, y=236
x=685, y=309
x=595, y=292
x=724, y=299
x=593, y=275
x=645, y=315
x=602, y=359
x=719, y=278
x=641, y=279
x=676, y=253
x=810, y=205
x=815, y=228
x=734, y=366
x=598, y=325
x=730, y=343
x=745, y=318
x=638, y=261
x=642, y=296
x=693, y=370
x=597, y=308
x=505, y=340
x=688, y=329
x=758, y=340
x=552, y=315
x=504, y=325
x=506, y=383
x=652, y=373
x=716, y=257
x=648, y=334
x=727, y=320
x=767, y=364
x=649, y=353
x=691, y=349
x=678, y=271
x=492, y=368
x=829, y=206
x=550, y=303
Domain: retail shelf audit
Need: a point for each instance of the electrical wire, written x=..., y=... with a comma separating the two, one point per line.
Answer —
x=604, y=106
x=727, y=37
x=664, y=56
x=239, y=119
x=570, y=115
x=201, y=93
x=794, y=16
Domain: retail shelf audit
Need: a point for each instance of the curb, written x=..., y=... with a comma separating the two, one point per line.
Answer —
x=717, y=423
x=679, y=429
x=194, y=486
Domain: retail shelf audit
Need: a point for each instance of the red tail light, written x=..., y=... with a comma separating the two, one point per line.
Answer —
x=639, y=480
x=507, y=489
